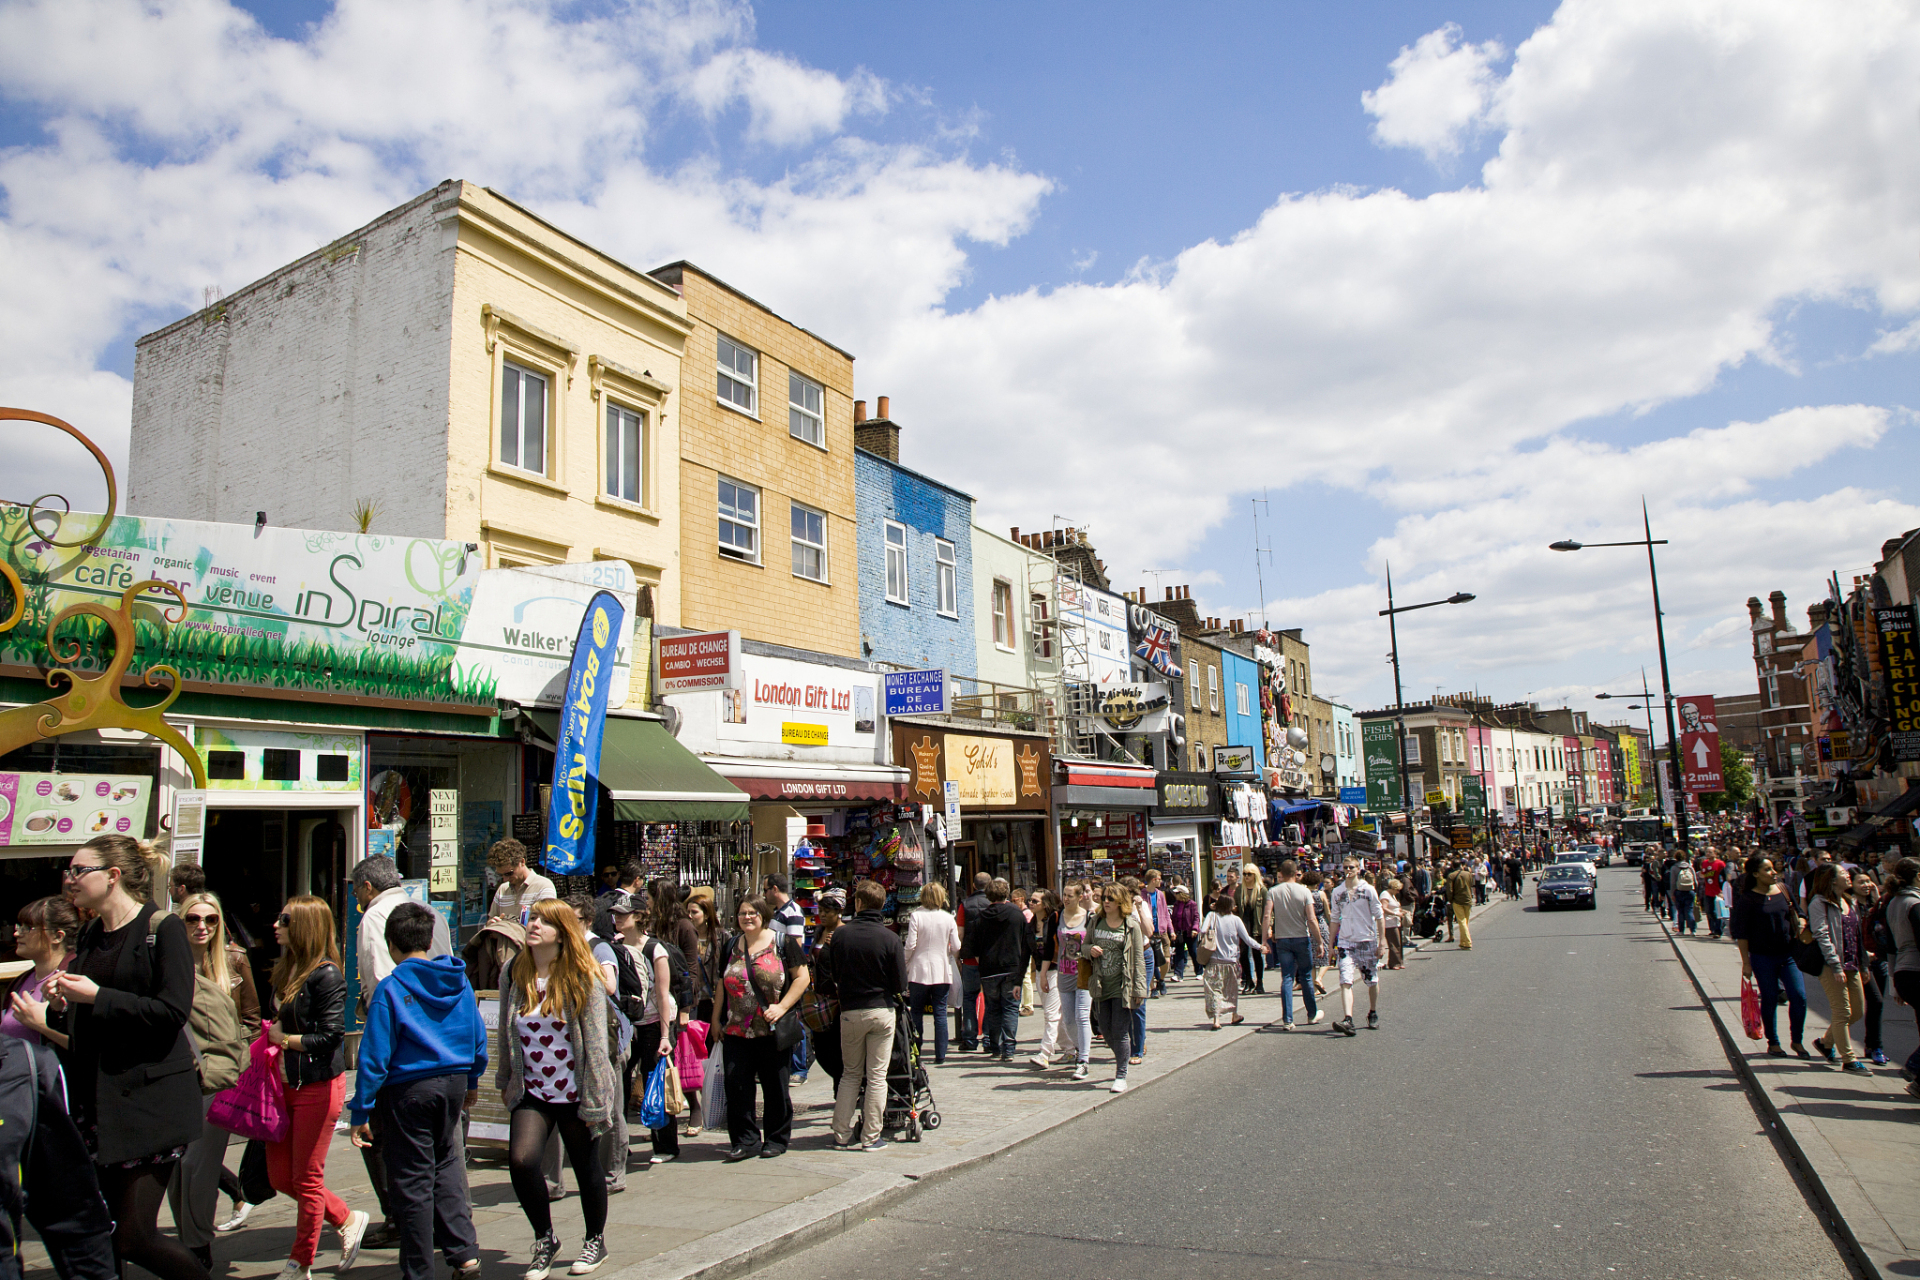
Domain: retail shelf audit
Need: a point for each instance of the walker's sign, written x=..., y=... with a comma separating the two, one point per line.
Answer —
x=311, y=612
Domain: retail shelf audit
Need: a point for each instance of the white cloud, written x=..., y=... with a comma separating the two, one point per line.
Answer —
x=1436, y=92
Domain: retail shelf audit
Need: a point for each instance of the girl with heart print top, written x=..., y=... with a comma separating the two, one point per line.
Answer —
x=555, y=1074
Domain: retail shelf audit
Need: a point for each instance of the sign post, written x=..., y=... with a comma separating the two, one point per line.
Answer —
x=1380, y=747
x=1700, y=746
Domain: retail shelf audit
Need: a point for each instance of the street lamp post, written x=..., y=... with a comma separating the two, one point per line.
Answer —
x=1399, y=704
x=1666, y=681
x=1646, y=699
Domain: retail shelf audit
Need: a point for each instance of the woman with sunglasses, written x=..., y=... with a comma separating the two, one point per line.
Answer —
x=48, y=927
x=765, y=975
x=1117, y=981
x=194, y=1191
x=555, y=1074
x=131, y=1081
x=311, y=1034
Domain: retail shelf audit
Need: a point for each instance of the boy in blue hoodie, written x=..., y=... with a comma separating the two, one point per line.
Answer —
x=421, y=1058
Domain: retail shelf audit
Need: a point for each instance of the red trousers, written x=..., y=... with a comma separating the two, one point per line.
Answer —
x=298, y=1166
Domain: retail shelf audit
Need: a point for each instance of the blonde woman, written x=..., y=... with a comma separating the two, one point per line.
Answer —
x=933, y=940
x=555, y=1073
x=194, y=1191
x=1250, y=904
x=311, y=1034
x=126, y=1003
x=1117, y=981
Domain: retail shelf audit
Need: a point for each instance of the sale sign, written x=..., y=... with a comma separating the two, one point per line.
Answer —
x=1700, y=746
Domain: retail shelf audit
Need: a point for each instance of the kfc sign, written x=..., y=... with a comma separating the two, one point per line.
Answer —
x=1700, y=746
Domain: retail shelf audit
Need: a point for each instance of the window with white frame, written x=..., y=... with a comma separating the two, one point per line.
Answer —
x=525, y=419
x=1446, y=747
x=1193, y=683
x=806, y=410
x=1412, y=749
x=739, y=521
x=946, y=578
x=895, y=539
x=809, y=543
x=739, y=378
x=1042, y=627
x=625, y=461
x=1003, y=614
x=1240, y=698
x=1213, y=688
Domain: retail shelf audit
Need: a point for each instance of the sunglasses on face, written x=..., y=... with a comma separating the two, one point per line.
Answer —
x=284, y=920
x=208, y=921
x=74, y=873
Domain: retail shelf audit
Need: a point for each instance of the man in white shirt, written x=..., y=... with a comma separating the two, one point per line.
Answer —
x=520, y=885
x=1358, y=926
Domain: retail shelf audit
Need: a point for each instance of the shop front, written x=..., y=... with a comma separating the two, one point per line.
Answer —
x=1100, y=811
x=1002, y=787
x=1184, y=824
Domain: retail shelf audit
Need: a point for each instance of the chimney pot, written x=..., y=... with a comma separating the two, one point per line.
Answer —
x=883, y=408
x=1779, y=601
x=1016, y=533
x=859, y=410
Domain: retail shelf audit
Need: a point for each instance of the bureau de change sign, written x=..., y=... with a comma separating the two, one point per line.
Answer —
x=915, y=693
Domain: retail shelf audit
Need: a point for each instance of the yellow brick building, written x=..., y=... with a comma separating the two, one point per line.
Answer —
x=766, y=474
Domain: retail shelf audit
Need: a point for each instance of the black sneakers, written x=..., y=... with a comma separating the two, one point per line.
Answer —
x=592, y=1254
x=544, y=1250
x=1373, y=1019
x=1345, y=1027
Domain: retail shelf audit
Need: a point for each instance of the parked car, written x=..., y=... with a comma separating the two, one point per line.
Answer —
x=1565, y=884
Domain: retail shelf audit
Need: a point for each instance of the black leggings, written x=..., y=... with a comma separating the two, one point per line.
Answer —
x=133, y=1196
x=533, y=1122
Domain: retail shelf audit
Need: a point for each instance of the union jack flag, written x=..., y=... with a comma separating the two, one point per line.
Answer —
x=1155, y=647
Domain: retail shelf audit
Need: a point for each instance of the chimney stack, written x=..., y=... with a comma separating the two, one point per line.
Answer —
x=880, y=436
x=1779, y=601
x=1754, y=608
x=859, y=411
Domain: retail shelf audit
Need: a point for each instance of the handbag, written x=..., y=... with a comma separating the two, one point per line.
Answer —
x=789, y=1031
x=690, y=1056
x=819, y=1012
x=676, y=1097
x=653, y=1103
x=1209, y=942
x=1750, y=1009
x=256, y=1105
x=1806, y=953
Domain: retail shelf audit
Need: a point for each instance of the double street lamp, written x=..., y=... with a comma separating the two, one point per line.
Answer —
x=1666, y=682
x=1399, y=704
x=1645, y=699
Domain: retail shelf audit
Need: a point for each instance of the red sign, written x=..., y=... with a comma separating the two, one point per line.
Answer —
x=689, y=664
x=1700, y=746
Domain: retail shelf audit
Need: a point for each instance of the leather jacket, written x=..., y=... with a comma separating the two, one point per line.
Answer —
x=318, y=1015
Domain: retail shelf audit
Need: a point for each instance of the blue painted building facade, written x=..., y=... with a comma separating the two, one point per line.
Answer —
x=916, y=567
x=1241, y=676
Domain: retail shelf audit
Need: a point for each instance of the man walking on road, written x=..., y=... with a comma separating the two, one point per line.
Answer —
x=1292, y=933
x=1358, y=927
x=1459, y=889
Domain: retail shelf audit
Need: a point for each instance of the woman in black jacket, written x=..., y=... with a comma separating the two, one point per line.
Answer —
x=131, y=1077
x=311, y=1033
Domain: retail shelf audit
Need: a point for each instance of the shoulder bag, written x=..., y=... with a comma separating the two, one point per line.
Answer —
x=1209, y=941
x=1806, y=953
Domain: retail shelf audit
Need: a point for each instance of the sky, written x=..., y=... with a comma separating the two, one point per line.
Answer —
x=1424, y=285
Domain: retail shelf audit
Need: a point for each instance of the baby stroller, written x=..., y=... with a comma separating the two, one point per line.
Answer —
x=910, y=1106
x=1430, y=918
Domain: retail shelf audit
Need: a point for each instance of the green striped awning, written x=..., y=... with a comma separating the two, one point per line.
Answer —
x=651, y=777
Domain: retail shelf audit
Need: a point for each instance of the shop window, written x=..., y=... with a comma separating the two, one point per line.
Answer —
x=278, y=765
x=625, y=462
x=806, y=410
x=226, y=766
x=739, y=521
x=523, y=419
x=739, y=376
x=947, y=578
x=331, y=768
x=809, y=543
x=896, y=544
x=1003, y=614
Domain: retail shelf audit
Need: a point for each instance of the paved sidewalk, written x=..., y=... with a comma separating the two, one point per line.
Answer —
x=700, y=1217
x=1857, y=1136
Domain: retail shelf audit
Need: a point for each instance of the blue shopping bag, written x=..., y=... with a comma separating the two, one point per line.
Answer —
x=653, y=1104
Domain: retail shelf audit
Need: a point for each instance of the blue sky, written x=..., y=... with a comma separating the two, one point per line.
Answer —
x=1133, y=263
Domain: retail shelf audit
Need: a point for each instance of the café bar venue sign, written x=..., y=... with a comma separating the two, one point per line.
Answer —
x=308, y=612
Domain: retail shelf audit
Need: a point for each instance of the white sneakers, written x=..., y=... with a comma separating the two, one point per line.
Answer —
x=1041, y=1060
x=1119, y=1084
x=1079, y=1071
x=351, y=1232
x=1318, y=1014
x=294, y=1271
x=241, y=1211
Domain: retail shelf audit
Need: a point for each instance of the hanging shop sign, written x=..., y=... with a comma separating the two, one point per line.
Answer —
x=915, y=693
x=1155, y=640
x=1186, y=795
x=309, y=612
x=709, y=660
x=576, y=756
x=70, y=808
x=991, y=772
x=1135, y=708
x=1379, y=744
x=1235, y=760
x=1700, y=746
x=1900, y=659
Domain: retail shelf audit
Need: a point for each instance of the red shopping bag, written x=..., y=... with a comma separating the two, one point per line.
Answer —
x=1750, y=1008
x=256, y=1105
x=690, y=1056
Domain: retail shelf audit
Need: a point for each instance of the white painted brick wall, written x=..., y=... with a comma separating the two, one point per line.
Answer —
x=322, y=384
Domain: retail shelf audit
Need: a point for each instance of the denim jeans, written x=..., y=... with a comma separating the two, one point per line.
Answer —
x=1140, y=1014
x=1683, y=911
x=1712, y=909
x=969, y=1018
x=1002, y=1025
x=1295, y=958
x=1771, y=973
x=1186, y=947
x=1076, y=1028
x=931, y=995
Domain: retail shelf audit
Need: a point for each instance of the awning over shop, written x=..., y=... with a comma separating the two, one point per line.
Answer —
x=1303, y=806
x=1081, y=773
x=805, y=783
x=1435, y=833
x=1900, y=806
x=651, y=777
x=1102, y=797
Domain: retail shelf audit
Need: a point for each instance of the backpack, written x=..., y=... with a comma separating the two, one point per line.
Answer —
x=219, y=1042
x=1683, y=876
x=1877, y=936
x=685, y=995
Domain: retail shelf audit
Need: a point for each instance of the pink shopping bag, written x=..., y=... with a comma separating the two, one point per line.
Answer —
x=256, y=1105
